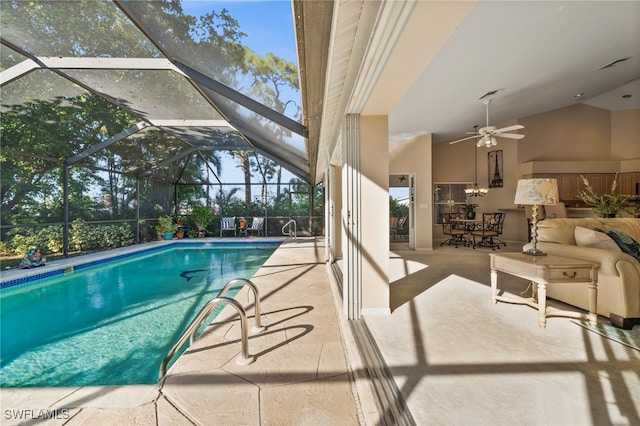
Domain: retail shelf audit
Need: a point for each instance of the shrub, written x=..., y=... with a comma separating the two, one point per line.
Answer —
x=82, y=237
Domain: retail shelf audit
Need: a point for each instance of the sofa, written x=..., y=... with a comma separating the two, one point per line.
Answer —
x=619, y=268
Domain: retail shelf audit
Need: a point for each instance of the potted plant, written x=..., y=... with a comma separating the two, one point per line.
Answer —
x=201, y=217
x=633, y=207
x=606, y=205
x=166, y=227
x=469, y=210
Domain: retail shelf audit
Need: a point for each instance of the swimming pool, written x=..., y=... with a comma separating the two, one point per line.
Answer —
x=113, y=323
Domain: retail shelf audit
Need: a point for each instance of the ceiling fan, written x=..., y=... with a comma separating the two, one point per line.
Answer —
x=488, y=133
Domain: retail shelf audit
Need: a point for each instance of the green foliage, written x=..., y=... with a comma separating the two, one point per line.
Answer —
x=396, y=209
x=468, y=208
x=201, y=217
x=48, y=239
x=606, y=204
x=82, y=237
x=166, y=224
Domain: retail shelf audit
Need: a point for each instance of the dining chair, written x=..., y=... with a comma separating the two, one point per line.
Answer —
x=488, y=232
x=228, y=224
x=455, y=230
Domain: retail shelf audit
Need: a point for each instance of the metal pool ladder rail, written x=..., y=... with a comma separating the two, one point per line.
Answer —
x=289, y=233
x=244, y=358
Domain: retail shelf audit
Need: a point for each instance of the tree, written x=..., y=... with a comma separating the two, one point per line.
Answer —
x=48, y=120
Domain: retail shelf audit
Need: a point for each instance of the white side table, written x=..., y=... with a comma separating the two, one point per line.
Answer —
x=544, y=270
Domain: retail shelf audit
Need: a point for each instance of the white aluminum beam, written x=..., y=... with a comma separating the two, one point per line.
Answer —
x=191, y=123
x=17, y=71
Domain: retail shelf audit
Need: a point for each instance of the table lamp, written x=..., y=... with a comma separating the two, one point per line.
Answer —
x=536, y=192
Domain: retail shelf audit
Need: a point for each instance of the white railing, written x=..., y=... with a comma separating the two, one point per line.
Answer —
x=288, y=232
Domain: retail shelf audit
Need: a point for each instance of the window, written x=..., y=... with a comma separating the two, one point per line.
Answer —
x=447, y=198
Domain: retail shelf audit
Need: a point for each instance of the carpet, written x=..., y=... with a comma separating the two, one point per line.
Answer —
x=630, y=338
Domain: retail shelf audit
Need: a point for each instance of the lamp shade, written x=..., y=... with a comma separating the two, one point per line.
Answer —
x=537, y=191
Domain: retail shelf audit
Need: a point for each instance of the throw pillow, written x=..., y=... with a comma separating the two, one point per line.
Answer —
x=586, y=237
x=626, y=243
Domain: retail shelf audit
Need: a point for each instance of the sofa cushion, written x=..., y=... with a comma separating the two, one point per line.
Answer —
x=586, y=237
x=560, y=231
x=626, y=243
x=629, y=226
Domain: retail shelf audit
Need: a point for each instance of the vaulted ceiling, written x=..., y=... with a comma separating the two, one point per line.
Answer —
x=429, y=66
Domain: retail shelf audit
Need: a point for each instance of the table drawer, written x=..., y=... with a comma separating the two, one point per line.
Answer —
x=570, y=274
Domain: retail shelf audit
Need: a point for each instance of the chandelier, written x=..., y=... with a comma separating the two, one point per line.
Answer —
x=476, y=191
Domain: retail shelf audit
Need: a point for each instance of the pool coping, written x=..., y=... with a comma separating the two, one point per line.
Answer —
x=12, y=277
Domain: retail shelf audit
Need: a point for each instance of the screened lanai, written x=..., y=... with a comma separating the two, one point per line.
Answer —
x=115, y=113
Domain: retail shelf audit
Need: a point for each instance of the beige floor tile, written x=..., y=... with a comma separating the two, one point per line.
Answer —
x=214, y=398
x=319, y=402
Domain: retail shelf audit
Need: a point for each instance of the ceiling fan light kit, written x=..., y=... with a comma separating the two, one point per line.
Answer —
x=489, y=133
x=487, y=141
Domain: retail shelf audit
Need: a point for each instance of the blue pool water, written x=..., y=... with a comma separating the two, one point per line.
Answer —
x=114, y=323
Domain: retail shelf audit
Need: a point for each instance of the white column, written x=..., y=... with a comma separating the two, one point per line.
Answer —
x=365, y=215
x=351, y=203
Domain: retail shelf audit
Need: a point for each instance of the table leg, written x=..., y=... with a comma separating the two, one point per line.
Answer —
x=593, y=302
x=542, y=304
x=494, y=286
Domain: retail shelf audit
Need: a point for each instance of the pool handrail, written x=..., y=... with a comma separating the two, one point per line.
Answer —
x=257, y=328
x=292, y=221
x=207, y=309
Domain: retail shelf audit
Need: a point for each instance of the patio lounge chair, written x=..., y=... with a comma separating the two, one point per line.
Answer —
x=228, y=224
x=395, y=225
x=257, y=226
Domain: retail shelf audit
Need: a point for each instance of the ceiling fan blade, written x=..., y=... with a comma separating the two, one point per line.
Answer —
x=510, y=128
x=464, y=139
x=510, y=135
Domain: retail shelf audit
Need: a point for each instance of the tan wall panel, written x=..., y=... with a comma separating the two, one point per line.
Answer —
x=625, y=134
x=374, y=166
x=575, y=133
x=414, y=156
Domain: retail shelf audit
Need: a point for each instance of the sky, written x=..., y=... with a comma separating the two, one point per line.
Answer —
x=268, y=23
x=269, y=28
